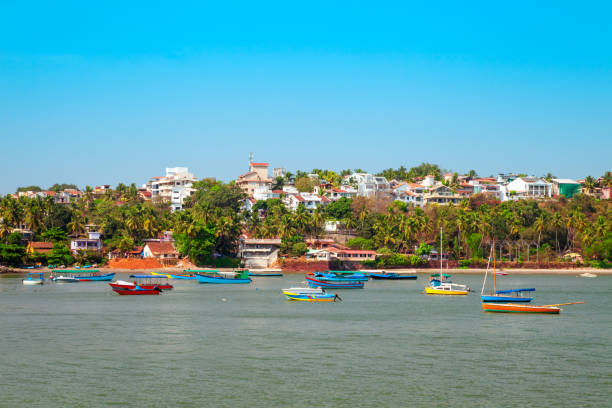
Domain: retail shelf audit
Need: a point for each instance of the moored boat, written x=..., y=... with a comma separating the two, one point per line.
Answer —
x=392, y=276
x=440, y=283
x=339, y=276
x=494, y=295
x=144, y=281
x=216, y=277
x=310, y=295
x=93, y=275
x=519, y=308
x=318, y=283
x=186, y=276
x=137, y=291
x=34, y=278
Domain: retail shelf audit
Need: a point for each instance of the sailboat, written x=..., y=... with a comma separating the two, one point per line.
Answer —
x=440, y=284
x=510, y=295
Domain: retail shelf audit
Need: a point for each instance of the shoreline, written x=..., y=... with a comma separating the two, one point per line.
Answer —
x=470, y=271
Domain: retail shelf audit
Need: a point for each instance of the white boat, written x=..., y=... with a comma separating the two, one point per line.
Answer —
x=34, y=278
x=588, y=275
x=304, y=291
x=65, y=279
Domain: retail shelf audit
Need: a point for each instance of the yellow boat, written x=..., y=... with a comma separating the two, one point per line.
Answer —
x=447, y=289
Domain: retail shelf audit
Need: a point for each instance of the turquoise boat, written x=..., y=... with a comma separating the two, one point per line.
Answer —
x=92, y=275
x=217, y=277
x=336, y=276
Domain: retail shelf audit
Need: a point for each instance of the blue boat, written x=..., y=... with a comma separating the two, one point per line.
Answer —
x=224, y=277
x=511, y=295
x=265, y=274
x=316, y=283
x=391, y=276
x=503, y=296
x=34, y=278
x=331, y=276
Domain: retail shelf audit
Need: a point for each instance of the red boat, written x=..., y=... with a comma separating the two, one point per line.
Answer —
x=132, y=285
x=137, y=291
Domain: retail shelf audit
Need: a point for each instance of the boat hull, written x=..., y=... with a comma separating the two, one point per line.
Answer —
x=99, y=278
x=505, y=299
x=514, y=308
x=65, y=279
x=32, y=281
x=136, y=291
x=146, y=286
x=392, y=276
x=310, y=297
x=171, y=276
x=219, y=280
x=433, y=291
x=315, y=283
x=266, y=274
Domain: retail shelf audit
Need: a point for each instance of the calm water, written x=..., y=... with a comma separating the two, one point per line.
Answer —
x=388, y=345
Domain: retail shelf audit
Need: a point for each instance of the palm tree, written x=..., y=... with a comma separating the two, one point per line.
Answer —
x=539, y=225
x=556, y=222
x=589, y=184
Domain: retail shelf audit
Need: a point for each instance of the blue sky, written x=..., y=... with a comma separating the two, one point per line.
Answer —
x=109, y=92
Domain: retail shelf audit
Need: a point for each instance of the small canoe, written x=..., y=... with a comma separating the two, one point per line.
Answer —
x=514, y=308
x=137, y=291
x=316, y=283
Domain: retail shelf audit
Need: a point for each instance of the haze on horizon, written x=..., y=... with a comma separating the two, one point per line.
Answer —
x=115, y=92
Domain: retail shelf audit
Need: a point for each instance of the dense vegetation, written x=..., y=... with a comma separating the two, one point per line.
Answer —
x=208, y=229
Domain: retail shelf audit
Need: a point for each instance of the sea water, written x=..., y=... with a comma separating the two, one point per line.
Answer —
x=388, y=345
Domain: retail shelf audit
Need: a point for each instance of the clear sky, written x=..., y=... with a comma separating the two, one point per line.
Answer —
x=106, y=92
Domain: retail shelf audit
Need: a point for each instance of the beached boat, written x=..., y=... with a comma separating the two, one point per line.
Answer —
x=213, y=277
x=318, y=283
x=93, y=275
x=34, y=278
x=144, y=281
x=310, y=295
x=440, y=283
x=137, y=291
x=503, y=296
x=392, y=276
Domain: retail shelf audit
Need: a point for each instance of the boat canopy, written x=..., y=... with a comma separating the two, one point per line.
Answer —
x=516, y=290
x=146, y=276
x=36, y=274
x=435, y=275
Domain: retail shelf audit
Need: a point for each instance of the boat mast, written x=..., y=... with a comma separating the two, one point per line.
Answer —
x=484, y=282
x=494, y=280
x=440, y=254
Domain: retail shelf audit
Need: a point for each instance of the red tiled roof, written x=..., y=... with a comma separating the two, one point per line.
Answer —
x=41, y=246
x=159, y=248
x=351, y=251
x=299, y=198
x=278, y=191
x=260, y=164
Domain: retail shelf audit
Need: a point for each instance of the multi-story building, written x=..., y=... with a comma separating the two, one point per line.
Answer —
x=174, y=188
x=257, y=177
x=367, y=184
x=526, y=187
x=258, y=253
x=565, y=187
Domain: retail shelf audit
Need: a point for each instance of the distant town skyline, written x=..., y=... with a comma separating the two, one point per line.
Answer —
x=97, y=95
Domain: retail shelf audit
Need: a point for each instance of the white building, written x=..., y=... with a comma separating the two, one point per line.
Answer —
x=308, y=200
x=526, y=187
x=368, y=184
x=174, y=188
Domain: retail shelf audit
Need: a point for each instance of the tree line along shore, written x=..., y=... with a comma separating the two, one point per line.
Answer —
x=557, y=231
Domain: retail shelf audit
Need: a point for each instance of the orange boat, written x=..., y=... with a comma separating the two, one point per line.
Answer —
x=516, y=308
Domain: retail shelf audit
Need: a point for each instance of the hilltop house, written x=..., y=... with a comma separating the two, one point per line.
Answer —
x=441, y=194
x=257, y=177
x=91, y=243
x=565, y=187
x=526, y=187
x=173, y=188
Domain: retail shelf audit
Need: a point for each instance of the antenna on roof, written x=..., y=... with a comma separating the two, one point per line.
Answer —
x=251, y=157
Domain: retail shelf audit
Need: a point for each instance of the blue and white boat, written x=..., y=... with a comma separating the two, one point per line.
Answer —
x=502, y=296
x=223, y=277
x=93, y=275
x=314, y=282
x=310, y=295
x=34, y=278
x=392, y=276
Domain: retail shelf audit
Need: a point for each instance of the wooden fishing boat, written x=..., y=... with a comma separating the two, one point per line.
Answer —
x=144, y=281
x=93, y=275
x=34, y=278
x=216, y=277
x=339, y=276
x=502, y=296
x=519, y=308
x=310, y=295
x=137, y=291
x=392, y=276
x=317, y=283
